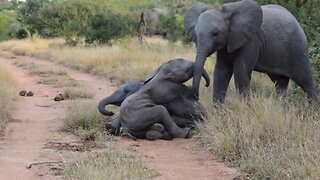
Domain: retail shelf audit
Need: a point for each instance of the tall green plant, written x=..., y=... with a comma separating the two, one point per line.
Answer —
x=9, y=26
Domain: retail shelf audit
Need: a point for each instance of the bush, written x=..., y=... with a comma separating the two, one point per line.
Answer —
x=21, y=33
x=105, y=27
x=9, y=26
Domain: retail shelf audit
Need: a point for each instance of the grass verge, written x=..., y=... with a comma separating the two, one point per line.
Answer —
x=112, y=165
x=85, y=120
x=122, y=61
x=6, y=96
x=265, y=137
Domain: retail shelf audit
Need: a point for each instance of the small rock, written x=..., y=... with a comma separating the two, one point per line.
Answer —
x=30, y=93
x=23, y=93
x=59, y=97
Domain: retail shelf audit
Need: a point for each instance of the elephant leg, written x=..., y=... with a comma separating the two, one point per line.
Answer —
x=281, y=83
x=305, y=80
x=184, y=107
x=183, y=122
x=244, y=62
x=148, y=116
x=222, y=75
x=113, y=126
x=242, y=80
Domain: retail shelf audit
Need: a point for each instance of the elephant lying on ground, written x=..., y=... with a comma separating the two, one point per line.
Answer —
x=247, y=37
x=179, y=101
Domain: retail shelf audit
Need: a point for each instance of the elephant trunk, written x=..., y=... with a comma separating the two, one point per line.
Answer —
x=114, y=99
x=205, y=75
x=198, y=71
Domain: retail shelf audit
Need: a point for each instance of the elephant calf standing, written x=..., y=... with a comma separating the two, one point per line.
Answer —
x=247, y=37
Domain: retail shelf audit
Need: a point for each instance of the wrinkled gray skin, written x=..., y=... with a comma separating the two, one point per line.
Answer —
x=147, y=106
x=247, y=37
x=182, y=108
x=119, y=95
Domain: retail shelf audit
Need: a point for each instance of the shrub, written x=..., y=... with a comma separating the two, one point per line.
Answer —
x=105, y=27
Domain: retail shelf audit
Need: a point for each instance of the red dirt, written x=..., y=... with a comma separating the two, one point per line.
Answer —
x=35, y=134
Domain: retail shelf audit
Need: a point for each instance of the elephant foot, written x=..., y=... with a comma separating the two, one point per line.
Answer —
x=129, y=136
x=153, y=135
x=166, y=136
x=181, y=133
x=157, y=127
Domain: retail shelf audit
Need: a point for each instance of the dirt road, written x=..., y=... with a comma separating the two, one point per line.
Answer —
x=30, y=147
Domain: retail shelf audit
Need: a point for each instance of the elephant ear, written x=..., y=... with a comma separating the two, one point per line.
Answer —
x=245, y=18
x=191, y=19
x=152, y=75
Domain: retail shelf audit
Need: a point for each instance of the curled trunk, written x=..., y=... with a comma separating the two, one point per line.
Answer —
x=114, y=99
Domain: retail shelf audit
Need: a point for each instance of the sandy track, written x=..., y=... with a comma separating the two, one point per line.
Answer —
x=34, y=127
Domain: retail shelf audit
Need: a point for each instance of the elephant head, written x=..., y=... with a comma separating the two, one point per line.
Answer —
x=229, y=27
x=177, y=70
x=119, y=95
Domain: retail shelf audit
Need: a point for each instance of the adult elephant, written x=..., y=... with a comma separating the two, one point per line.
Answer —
x=153, y=18
x=247, y=37
x=147, y=106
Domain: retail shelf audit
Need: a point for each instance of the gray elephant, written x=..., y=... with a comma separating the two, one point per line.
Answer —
x=119, y=95
x=153, y=17
x=147, y=106
x=191, y=108
x=247, y=37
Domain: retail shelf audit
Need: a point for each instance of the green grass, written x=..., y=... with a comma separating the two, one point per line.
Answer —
x=112, y=165
x=7, y=93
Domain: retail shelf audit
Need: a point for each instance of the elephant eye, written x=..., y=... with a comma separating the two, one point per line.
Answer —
x=215, y=33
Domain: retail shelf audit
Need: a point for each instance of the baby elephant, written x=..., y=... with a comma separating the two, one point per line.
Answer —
x=147, y=106
x=184, y=110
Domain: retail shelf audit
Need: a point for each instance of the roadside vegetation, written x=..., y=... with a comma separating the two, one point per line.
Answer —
x=84, y=120
x=7, y=90
x=264, y=136
x=112, y=165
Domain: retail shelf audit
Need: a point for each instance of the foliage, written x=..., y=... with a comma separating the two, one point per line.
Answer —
x=105, y=27
x=173, y=24
x=9, y=26
x=30, y=16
